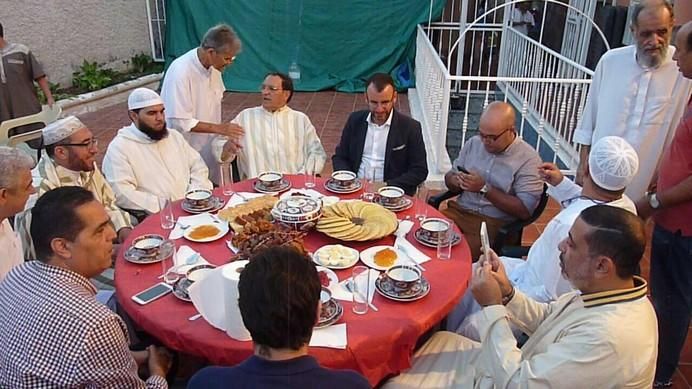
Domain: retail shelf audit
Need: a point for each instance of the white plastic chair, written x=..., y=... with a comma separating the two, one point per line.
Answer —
x=46, y=116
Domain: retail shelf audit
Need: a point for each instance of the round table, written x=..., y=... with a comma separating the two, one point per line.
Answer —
x=379, y=343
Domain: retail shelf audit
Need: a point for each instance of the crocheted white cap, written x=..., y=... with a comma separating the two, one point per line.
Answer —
x=61, y=129
x=613, y=163
x=143, y=97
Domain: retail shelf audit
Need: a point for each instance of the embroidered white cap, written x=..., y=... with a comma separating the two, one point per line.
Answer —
x=61, y=129
x=613, y=163
x=143, y=97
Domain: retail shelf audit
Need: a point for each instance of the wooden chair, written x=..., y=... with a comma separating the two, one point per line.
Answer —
x=46, y=116
x=508, y=239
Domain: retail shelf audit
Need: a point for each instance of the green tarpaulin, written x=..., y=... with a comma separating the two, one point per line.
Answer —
x=336, y=43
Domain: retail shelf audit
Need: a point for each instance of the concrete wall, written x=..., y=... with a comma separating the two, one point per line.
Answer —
x=62, y=33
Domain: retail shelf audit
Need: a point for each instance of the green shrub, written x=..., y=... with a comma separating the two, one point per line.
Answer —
x=92, y=76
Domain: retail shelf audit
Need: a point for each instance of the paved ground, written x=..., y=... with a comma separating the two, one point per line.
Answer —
x=328, y=112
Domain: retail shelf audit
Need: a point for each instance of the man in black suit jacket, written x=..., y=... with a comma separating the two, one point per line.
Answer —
x=394, y=141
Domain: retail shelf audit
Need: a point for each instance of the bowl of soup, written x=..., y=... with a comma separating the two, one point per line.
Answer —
x=270, y=180
x=391, y=196
x=404, y=277
x=198, y=197
x=344, y=178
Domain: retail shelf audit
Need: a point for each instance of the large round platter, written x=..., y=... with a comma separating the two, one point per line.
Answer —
x=180, y=289
x=406, y=203
x=214, y=205
x=333, y=279
x=221, y=227
x=283, y=185
x=418, y=236
x=385, y=287
x=367, y=256
x=357, y=221
x=135, y=255
x=331, y=186
x=335, y=256
x=330, y=314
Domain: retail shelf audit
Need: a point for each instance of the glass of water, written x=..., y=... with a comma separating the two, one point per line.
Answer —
x=166, y=213
x=360, y=284
x=169, y=270
x=226, y=178
x=444, y=242
x=421, y=202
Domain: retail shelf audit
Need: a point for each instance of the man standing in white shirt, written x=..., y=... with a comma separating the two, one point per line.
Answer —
x=612, y=164
x=637, y=93
x=192, y=91
x=15, y=188
x=277, y=137
x=602, y=336
x=522, y=18
x=146, y=161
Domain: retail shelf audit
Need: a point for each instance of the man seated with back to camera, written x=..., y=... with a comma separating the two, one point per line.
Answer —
x=281, y=325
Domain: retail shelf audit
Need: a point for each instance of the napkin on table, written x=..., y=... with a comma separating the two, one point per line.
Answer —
x=183, y=254
x=409, y=249
x=340, y=292
x=333, y=337
x=178, y=231
x=236, y=200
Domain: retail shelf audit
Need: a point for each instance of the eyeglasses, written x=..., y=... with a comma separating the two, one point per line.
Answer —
x=89, y=143
x=492, y=138
x=568, y=202
x=270, y=88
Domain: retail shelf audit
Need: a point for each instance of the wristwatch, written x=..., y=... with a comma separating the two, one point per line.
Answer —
x=653, y=201
x=484, y=190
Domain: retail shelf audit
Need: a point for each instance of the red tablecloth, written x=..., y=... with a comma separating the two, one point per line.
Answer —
x=379, y=343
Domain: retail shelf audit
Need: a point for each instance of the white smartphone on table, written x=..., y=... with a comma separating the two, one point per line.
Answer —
x=150, y=294
x=485, y=242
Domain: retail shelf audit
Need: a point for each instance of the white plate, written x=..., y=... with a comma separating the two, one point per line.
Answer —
x=223, y=230
x=368, y=257
x=333, y=279
x=316, y=259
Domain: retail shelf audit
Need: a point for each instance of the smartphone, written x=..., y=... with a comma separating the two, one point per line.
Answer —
x=461, y=169
x=150, y=294
x=485, y=242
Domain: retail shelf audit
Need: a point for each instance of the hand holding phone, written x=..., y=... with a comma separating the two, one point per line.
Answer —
x=485, y=242
x=150, y=294
x=462, y=169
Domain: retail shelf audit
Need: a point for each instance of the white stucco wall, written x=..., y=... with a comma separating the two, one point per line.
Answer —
x=62, y=33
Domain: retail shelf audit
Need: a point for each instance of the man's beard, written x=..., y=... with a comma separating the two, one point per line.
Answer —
x=152, y=133
x=651, y=61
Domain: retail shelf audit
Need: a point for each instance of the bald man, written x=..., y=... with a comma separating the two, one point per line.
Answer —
x=496, y=173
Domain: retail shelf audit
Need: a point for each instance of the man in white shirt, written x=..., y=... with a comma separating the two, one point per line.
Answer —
x=522, y=18
x=613, y=163
x=381, y=143
x=146, y=162
x=637, y=93
x=277, y=137
x=602, y=336
x=15, y=188
x=192, y=91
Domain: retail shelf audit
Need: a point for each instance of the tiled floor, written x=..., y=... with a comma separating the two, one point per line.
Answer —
x=328, y=112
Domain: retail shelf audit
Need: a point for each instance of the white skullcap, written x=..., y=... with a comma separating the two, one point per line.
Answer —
x=143, y=97
x=613, y=163
x=61, y=129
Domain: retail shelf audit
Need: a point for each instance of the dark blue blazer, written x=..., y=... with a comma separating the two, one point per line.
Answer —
x=405, y=163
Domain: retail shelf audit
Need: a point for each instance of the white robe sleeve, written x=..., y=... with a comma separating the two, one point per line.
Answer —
x=121, y=176
x=587, y=123
x=177, y=97
x=565, y=190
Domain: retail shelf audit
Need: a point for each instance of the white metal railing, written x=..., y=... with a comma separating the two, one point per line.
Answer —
x=547, y=88
x=156, y=14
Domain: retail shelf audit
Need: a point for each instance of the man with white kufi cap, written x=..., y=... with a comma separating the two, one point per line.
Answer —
x=146, y=162
x=69, y=159
x=612, y=165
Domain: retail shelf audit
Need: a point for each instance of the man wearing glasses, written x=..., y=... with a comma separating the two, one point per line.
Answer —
x=277, y=138
x=192, y=91
x=498, y=174
x=70, y=160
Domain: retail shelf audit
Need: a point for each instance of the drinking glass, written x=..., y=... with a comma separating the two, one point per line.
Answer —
x=168, y=267
x=444, y=242
x=226, y=178
x=421, y=202
x=360, y=284
x=166, y=213
x=309, y=180
x=371, y=184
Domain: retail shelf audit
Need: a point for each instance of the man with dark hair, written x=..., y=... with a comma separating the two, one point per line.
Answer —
x=54, y=332
x=637, y=94
x=146, y=161
x=382, y=144
x=601, y=336
x=670, y=204
x=19, y=68
x=192, y=91
x=278, y=138
x=278, y=297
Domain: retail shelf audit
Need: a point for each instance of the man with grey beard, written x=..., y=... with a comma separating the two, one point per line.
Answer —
x=637, y=94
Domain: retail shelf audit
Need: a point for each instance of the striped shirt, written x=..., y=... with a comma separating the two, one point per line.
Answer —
x=283, y=141
x=55, y=334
